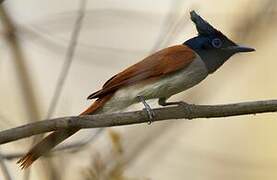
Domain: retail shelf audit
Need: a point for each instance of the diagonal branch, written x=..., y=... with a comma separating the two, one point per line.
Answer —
x=188, y=111
x=24, y=77
x=68, y=59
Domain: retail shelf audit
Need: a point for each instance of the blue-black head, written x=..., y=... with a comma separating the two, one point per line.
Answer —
x=211, y=45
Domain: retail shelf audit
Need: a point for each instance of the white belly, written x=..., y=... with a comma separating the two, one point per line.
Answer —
x=164, y=87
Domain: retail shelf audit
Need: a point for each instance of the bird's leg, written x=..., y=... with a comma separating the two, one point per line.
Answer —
x=147, y=108
x=162, y=102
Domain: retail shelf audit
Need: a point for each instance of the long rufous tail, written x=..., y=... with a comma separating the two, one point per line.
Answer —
x=55, y=138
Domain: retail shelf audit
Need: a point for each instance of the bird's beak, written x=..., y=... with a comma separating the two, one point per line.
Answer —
x=239, y=48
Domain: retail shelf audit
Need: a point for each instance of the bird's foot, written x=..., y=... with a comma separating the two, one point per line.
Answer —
x=162, y=102
x=148, y=109
x=187, y=107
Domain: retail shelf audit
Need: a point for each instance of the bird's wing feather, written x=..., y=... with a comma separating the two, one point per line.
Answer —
x=158, y=64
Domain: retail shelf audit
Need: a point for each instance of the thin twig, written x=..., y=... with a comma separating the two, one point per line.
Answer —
x=71, y=148
x=65, y=68
x=24, y=78
x=68, y=59
x=173, y=21
x=188, y=111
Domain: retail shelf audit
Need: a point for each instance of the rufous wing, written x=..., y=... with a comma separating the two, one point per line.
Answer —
x=158, y=64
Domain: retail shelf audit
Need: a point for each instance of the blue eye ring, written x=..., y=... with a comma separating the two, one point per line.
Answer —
x=217, y=43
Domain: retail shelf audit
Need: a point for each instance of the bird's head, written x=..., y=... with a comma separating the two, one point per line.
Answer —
x=211, y=45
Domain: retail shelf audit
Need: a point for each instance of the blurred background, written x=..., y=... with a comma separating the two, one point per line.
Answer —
x=45, y=74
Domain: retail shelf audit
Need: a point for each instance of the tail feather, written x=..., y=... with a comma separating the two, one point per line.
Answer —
x=44, y=146
x=55, y=138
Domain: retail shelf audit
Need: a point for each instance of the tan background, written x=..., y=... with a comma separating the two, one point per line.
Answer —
x=118, y=33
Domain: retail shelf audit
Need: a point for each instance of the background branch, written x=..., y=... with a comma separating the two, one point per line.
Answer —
x=189, y=111
x=68, y=59
x=31, y=103
x=23, y=73
x=70, y=148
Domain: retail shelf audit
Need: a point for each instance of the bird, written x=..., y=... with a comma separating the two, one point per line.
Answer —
x=158, y=76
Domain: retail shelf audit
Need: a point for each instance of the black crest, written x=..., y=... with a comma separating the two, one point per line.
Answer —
x=202, y=26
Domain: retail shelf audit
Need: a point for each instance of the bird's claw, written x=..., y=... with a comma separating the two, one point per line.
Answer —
x=149, y=111
x=150, y=114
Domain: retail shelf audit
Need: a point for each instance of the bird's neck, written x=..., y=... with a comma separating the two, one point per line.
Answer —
x=212, y=58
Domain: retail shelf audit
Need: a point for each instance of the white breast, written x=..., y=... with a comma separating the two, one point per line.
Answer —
x=164, y=87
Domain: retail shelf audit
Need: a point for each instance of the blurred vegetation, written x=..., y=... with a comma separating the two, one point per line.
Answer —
x=113, y=169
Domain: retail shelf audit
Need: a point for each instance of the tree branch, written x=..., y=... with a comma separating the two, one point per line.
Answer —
x=188, y=111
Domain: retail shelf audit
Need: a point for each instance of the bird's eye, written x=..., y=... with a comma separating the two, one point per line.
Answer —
x=217, y=43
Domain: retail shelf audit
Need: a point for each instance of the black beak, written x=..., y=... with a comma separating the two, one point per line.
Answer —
x=238, y=49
